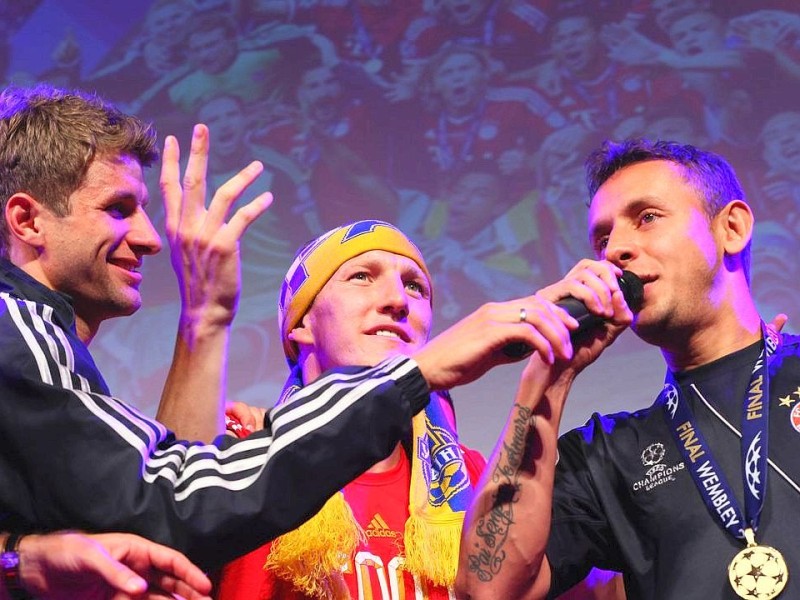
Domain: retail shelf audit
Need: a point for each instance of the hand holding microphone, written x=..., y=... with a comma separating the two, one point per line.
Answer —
x=632, y=290
x=483, y=339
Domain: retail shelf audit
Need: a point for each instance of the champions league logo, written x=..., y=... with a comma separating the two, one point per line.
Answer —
x=445, y=473
x=752, y=474
x=658, y=473
x=653, y=454
x=758, y=573
x=671, y=396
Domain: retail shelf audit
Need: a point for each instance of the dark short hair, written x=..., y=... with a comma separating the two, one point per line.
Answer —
x=708, y=173
x=49, y=138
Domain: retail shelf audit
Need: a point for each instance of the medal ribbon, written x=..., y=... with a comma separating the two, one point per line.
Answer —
x=706, y=473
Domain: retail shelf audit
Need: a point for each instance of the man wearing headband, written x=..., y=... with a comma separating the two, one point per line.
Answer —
x=355, y=296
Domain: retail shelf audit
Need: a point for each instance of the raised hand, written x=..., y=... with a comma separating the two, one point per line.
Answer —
x=204, y=243
x=595, y=284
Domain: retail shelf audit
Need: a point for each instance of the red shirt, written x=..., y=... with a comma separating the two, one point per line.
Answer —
x=380, y=504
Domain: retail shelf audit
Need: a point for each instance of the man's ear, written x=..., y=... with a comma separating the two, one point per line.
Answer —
x=23, y=219
x=302, y=334
x=736, y=226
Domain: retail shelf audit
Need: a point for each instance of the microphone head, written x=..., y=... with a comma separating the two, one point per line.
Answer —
x=632, y=289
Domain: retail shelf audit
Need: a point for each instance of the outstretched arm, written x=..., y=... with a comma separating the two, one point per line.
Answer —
x=112, y=566
x=212, y=502
x=507, y=526
x=204, y=247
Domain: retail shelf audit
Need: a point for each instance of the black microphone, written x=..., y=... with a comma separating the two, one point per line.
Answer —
x=632, y=289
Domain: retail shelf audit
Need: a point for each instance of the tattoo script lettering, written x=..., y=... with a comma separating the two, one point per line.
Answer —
x=493, y=528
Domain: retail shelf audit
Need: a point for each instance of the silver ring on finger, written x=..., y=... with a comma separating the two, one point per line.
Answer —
x=523, y=315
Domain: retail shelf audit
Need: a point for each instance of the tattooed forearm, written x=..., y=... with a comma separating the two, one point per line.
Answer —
x=492, y=529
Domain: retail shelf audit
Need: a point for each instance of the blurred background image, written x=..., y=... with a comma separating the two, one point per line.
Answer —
x=463, y=122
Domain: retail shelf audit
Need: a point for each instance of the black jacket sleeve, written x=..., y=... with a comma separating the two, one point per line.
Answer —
x=72, y=456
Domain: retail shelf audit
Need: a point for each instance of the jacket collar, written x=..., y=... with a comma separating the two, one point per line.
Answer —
x=19, y=284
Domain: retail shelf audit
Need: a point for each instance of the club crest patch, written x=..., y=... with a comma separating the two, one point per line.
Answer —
x=795, y=417
x=445, y=473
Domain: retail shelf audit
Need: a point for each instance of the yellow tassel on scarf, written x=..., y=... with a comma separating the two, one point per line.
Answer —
x=432, y=548
x=312, y=556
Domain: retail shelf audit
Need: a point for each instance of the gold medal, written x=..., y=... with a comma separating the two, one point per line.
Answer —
x=757, y=572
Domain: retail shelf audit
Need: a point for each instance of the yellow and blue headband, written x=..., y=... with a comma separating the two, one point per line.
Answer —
x=316, y=262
